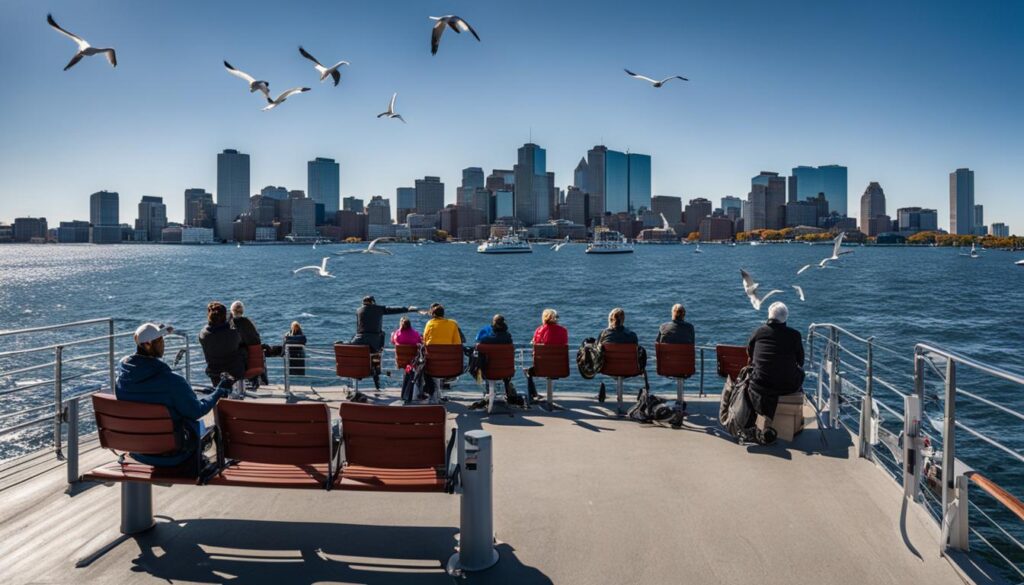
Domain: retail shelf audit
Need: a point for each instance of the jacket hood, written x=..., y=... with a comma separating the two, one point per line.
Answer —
x=137, y=369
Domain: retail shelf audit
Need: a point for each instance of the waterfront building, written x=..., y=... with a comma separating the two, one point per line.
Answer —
x=616, y=182
x=961, y=202
x=171, y=234
x=501, y=180
x=263, y=209
x=454, y=217
x=27, y=229
x=872, y=205
x=503, y=205
x=429, y=195
x=232, y=189
x=200, y=210
x=73, y=232
x=152, y=219
x=104, y=210
x=596, y=179
x=422, y=221
x=472, y=179
x=272, y=192
x=352, y=224
x=821, y=202
x=731, y=202
x=353, y=204
x=801, y=213
x=6, y=233
x=378, y=211
x=910, y=220
x=696, y=210
x=303, y=216
x=481, y=201
x=580, y=175
x=880, y=224
x=999, y=230
x=828, y=179
x=379, y=230
x=715, y=229
x=768, y=201
x=533, y=196
x=669, y=206
x=405, y=203
x=979, y=220
x=196, y=235
x=639, y=169
x=323, y=183
x=623, y=222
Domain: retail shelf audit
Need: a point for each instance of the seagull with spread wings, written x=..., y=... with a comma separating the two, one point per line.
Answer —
x=280, y=99
x=324, y=72
x=391, y=110
x=750, y=288
x=837, y=250
x=254, y=84
x=84, y=48
x=654, y=82
x=456, y=23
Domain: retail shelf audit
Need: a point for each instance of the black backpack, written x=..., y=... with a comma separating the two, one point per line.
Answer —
x=589, y=358
x=734, y=411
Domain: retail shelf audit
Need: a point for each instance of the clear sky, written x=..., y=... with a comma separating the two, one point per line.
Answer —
x=900, y=92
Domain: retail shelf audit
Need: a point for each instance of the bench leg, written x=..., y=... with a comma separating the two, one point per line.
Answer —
x=490, y=397
x=618, y=390
x=136, y=507
x=550, y=405
x=679, y=391
x=476, y=508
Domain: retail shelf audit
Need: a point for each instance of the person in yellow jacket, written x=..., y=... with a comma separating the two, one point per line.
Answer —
x=441, y=331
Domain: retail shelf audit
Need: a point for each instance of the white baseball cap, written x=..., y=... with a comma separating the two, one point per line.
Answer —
x=150, y=332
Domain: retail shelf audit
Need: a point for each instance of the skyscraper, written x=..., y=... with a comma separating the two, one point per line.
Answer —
x=405, y=203
x=232, y=190
x=472, y=179
x=429, y=195
x=767, y=201
x=276, y=193
x=596, y=179
x=152, y=217
x=378, y=211
x=915, y=219
x=670, y=207
x=999, y=230
x=616, y=182
x=580, y=175
x=696, y=210
x=979, y=220
x=103, y=215
x=961, y=202
x=352, y=204
x=322, y=183
x=639, y=181
x=828, y=179
x=872, y=205
x=200, y=211
x=731, y=202
x=532, y=194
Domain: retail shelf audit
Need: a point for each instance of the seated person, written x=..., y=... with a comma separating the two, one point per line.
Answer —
x=777, y=355
x=246, y=328
x=677, y=330
x=549, y=333
x=497, y=334
x=145, y=377
x=222, y=345
x=439, y=331
x=297, y=352
x=405, y=334
x=370, y=329
x=616, y=331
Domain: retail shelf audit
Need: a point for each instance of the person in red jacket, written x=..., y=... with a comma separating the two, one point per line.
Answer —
x=549, y=333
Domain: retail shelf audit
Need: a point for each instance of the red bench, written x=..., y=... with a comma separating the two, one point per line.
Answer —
x=550, y=362
x=354, y=362
x=499, y=364
x=404, y=354
x=731, y=359
x=677, y=361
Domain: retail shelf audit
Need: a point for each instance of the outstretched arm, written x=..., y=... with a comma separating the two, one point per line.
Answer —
x=189, y=405
x=397, y=310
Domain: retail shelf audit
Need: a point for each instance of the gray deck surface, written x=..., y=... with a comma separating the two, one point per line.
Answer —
x=579, y=498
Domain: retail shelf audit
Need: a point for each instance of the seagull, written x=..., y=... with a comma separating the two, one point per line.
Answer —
x=280, y=99
x=836, y=250
x=371, y=249
x=320, y=270
x=654, y=82
x=84, y=48
x=558, y=246
x=254, y=84
x=456, y=23
x=750, y=287
x=801, y=271
x=331, y=71
x=799, y=291
x=391, y=110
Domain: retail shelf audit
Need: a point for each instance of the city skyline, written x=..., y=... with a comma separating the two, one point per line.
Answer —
x=155, y=137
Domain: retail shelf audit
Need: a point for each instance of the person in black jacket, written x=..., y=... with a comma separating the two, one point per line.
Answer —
x=777, y=355
x=370, y=329
x=677, y=330
x=294, y=344
x=246, y=328
x=222, y=345
x=616, y=331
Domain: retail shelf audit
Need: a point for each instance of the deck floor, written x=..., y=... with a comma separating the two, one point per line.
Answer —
x=580, y=497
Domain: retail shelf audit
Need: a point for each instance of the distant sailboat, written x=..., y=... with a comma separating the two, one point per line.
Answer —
x=973, y=253
x=698, y=250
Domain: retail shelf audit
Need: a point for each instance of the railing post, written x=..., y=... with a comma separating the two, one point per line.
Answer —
x=72, y=419
x=58, y=399
x=911, y=430
x=287, y=367
x=864, y=432
x=111, y=358
x=954, y=500
x=834, y=384
x=188, y=360
x=702, y=371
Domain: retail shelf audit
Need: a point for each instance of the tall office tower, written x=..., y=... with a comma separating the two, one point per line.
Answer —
x=792, y=197
x=731, y=202
x=532, y=197
x=481, y=201
x=152, y=217
x=25, y=229
x=429, y=195
x=553, y=196
x=616, y=182
x=200, y=211
x=872, y=205
x=103, y=215
x=596, y=179
x=639, y=168
x=378, y=211
x=911, y=220
x=696, y=210
x=263, y=210
x=580, y=176
x=232, y=190
x=472, y=179
x=405, y=203
x=352, y=204
x=769, y=201
x=801, y=213
x=303, y=215
x=276, y=193
x=322, y=183
x=577, y=206
x=999, y=230
x=828, y=179
x=501, y=180
x=961, y=202
x=821, y=202
x=670, y=207
x=979, y=220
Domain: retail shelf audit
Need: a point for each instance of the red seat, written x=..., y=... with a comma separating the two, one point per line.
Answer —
x=352, y=361
x=255, y=362
x=404, y=354
x=274, y=445
x=393, y=449
x=444, y=361
x=551, y=361
x=675, y=360
x=620, y=360
x=500, y=362
x=731, y=359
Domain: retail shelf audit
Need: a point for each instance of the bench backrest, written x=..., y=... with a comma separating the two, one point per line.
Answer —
x=352, y=361
x=255, y=363
x=443, y=361
x=551, y=361
x=675, y=360
x=620, y=360
x=500, y=361
x=135, y=427
x=405, y=353
x=731, y=359
x=290, y=434
x=408, y=437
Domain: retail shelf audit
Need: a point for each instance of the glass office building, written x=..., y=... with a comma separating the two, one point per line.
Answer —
x=828, y=179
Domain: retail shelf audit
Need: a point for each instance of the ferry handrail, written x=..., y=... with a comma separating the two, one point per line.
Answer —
x=97, y=321
x=1008, y=500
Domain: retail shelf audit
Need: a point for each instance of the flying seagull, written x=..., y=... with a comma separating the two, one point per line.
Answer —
x=324, y=72
x=391, y=110
x=371, y=249
x=456, y=23
x=84, y=48
x=654, y=82
x=836, y=250
x=320, y=270
x=559, y=245
x=799, y=291
x=750, y=287
x=254, y=84
x=280, y=99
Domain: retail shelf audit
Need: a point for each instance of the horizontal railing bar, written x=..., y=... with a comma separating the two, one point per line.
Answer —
x=991, y=370
x=55, y=327
x=989, y=402
x=26, y=424
x=27, y=387
x=1008, y=500
x=67, y=344
x=997, y=551
x=80, y=358
x=992, y=442
x=9, y=373
x=26, y=411
x=993, y=522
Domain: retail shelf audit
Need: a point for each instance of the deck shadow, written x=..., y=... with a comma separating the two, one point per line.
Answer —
x=260, y=551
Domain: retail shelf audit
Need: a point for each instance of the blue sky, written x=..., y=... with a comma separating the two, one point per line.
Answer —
x=900, y=92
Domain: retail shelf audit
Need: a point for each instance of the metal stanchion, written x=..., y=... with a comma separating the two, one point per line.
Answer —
x=136, y=507
x=58, y=399
x=476, y=524
x=72, y=420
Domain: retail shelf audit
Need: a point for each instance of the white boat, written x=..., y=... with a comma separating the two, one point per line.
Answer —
x=609, y=242
x=698, y=250
x=973, y=253
x=508, y=244
x=1019, y=262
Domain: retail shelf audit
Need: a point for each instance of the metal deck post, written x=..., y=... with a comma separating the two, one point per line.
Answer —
x=954, y=500
x=619, y=382
x=287, y=373
x=834, y=384
x=476, y=522
x=58, y=399
x=864, y=432
x=550, y=406
x=136, y=507
x=111, y=356
x=679, y=391
x=188, y=361
x=911, y=446
x=72, y=420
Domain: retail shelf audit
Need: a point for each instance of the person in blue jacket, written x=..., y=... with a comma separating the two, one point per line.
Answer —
x=145, y=377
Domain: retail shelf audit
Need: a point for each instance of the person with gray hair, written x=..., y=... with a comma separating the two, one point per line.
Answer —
x=244, y=325
x=677, y=330
x=776, y=353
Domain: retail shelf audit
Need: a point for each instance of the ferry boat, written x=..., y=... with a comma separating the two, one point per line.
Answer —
x=507, y=244
x=609, y=242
